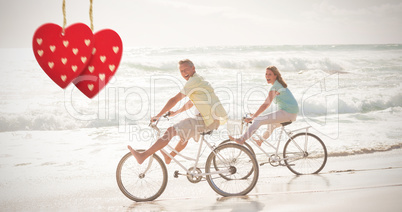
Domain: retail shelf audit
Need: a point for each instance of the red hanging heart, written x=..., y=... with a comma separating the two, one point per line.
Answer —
x=105, y=60
x=63, y=56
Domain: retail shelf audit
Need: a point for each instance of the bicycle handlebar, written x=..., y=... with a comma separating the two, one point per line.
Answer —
x=166, y=115
x=154, y=126
x=248, y=115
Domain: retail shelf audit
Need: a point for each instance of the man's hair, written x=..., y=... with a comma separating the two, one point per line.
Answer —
x=186, y=61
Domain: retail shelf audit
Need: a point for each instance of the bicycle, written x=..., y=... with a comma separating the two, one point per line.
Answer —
x=303, y=153
x=227, y=171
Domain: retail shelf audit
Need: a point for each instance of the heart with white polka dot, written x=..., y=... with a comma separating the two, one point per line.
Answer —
x=63, y=55
x=104, y=62
x=76, y=55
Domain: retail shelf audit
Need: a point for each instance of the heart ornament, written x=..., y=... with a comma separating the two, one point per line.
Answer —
x=63, y=56
x=105, y=60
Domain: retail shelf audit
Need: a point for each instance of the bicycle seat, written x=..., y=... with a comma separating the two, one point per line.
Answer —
x=207, y=133
x=286, y=123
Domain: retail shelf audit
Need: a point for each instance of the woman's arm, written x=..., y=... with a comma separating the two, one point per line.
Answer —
x=185, y=107
x=264, y=106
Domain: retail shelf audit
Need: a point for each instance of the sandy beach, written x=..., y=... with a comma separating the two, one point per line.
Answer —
x=35, y=179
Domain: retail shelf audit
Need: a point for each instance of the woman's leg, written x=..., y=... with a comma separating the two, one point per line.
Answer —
x=158, y=145
x=271, y=118
x=273, y=126
x=270, y=129
x=267, y=133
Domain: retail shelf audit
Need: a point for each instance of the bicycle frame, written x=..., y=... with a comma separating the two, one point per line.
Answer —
x=193, y=171
x=288, y=133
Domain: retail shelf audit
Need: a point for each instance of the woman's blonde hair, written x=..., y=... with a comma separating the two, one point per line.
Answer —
x=278, y=75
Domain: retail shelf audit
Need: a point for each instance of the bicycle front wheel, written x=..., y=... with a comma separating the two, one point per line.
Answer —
x=305, y=153
x=141, y=182
x=227, y=166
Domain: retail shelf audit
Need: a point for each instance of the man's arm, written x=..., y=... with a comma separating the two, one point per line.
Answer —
x=170, y=104
x=185, y=107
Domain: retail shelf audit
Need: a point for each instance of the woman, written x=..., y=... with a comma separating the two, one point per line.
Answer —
x=285, y=100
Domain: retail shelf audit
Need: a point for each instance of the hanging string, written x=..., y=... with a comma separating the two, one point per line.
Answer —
x=64, y=15
x=90, y=15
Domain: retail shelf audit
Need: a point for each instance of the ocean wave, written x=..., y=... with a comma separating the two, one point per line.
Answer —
x=286, y=64
x=366, y=150
x=49, y=122
x=43, y=120
x=260, y=48
x=373, y=72
x=343, y=106
x=286, y=57
x=150, y=66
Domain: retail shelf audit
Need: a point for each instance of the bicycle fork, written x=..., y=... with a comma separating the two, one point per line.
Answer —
x=142, y=175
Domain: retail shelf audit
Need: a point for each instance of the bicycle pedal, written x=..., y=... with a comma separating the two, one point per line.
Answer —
x=176, y=174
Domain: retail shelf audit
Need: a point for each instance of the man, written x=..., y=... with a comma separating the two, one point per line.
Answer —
x=211, y=113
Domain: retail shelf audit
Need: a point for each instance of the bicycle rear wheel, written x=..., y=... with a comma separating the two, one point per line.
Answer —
x=227, y=166
x=245, y=145
x=305, y=153
x=141, y=182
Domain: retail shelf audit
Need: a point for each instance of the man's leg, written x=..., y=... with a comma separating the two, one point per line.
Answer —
x=179, y=147
x=159, y=144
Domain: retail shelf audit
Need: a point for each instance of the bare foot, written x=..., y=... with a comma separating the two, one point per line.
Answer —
x=258, y=141
x=138, y=156
x=237, y=140
x=167, y=158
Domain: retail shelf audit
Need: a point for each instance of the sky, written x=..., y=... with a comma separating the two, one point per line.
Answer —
x=168, y=23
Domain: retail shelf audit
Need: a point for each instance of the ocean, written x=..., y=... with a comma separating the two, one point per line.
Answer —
x=350, y=95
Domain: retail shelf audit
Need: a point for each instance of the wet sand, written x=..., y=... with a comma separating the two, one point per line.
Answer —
x=367, y=182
